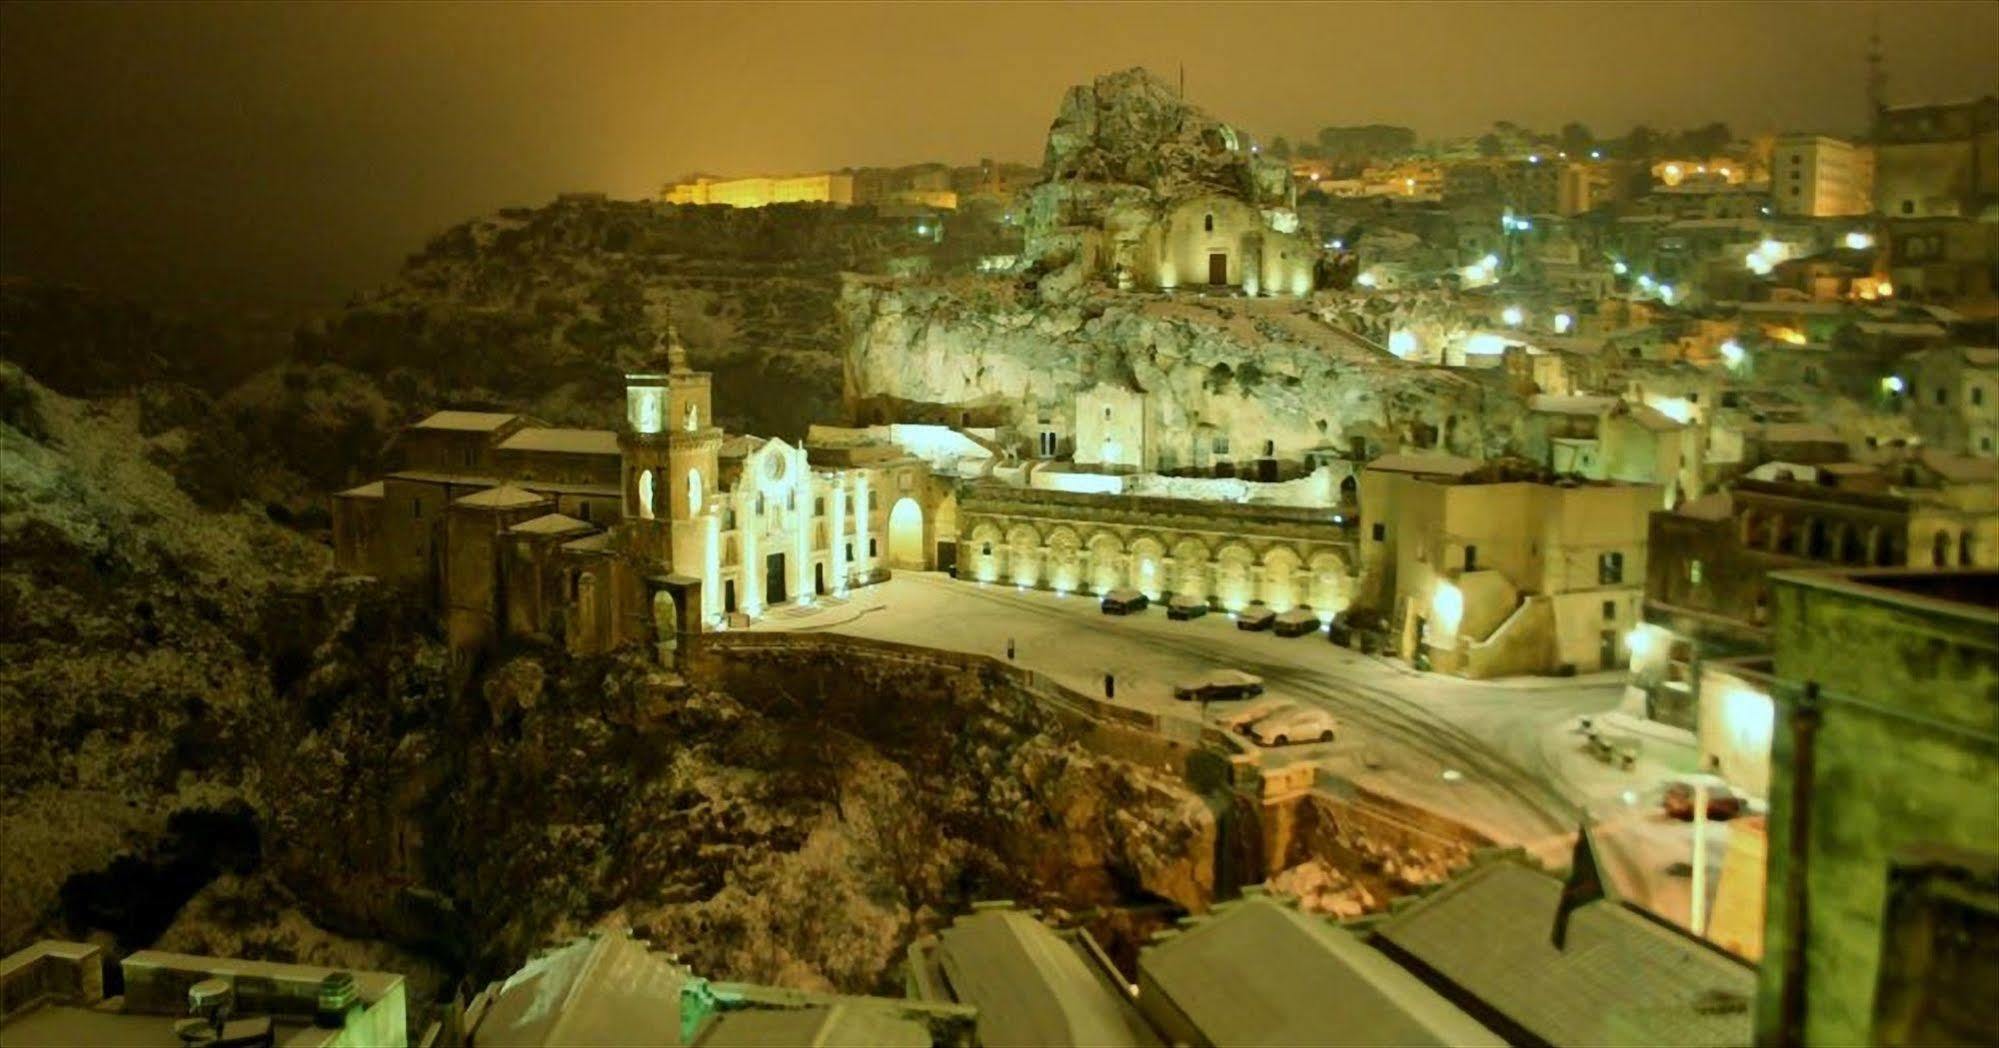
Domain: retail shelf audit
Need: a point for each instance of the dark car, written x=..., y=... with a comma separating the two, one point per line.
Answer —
x=1296, y=623
x=1123, y=602
x=1219, y=686
x=1352, y=628
x=1186, y=606
x=1255, y=617
x=1722, y=805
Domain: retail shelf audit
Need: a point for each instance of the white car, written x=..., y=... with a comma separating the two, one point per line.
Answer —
x=1298, y=724
x=1220, y=686
x=1240, y=720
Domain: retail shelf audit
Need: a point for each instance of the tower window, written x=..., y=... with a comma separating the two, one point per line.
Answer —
x=1208, y=224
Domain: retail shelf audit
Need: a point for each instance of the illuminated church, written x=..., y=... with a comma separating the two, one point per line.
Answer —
x=596, y=538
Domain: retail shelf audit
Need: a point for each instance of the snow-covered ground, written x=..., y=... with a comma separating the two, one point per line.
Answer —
x=1501, y=756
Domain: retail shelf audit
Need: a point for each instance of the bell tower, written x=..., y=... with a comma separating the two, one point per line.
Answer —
x=671, y=447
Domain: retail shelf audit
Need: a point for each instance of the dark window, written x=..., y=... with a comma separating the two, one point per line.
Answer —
x=1977, y=395
x=1941, y=398
x=1471, y=558
x=1380, y=532
x=1208, y=224
x=583, y=510
x=1610, y=569
x=873, y=550
x=416, y=508
x=1908, y=207
x=985, y=549
x=1609, y=611
x=819, y=506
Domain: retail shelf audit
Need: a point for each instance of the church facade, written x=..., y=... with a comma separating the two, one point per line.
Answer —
x=595, y=539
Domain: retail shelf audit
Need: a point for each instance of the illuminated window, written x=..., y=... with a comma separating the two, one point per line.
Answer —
x=1694, y=572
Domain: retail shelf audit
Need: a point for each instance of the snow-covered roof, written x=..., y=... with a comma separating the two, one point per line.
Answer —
x=1439, y=465
x=506, y=496
x=589, y=543
x=1959, y=468
x=365, y=491
x=563, y=441
x=1655, y=420
x=1716, y=506
x=1983, y=356
x=1890, y=327
x=550, y=524
x=739, y=446
x=467, y=421
x=1574, y=404
x=1800, y=433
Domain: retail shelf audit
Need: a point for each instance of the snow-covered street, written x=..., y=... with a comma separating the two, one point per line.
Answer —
x=1500, y=756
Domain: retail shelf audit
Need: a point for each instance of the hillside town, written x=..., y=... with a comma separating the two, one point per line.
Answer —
x=1200, y=587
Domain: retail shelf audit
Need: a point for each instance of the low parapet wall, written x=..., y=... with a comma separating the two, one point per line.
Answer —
x=1161, y=741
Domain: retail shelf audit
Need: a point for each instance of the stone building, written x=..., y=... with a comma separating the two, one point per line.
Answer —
x=831, y=187
x=1883, y=880
x=1228, y=554
x=1937, y=160
x=1952, y=394
x=1218, y=241
x=1609, y=438
x=1493, y=571
x=598, y=538
x=1821, y=176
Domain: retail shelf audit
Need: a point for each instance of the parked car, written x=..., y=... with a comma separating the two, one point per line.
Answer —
x=1255, y=617
x=1299, y=724
x=1220, y=686
x=1722, y=803
x=1186, y=606
x=1297, y=622
x=1352, y=628
x=1240, y=720
x=1123, y=602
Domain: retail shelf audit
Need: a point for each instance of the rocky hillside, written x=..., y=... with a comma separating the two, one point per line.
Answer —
x=541, y=309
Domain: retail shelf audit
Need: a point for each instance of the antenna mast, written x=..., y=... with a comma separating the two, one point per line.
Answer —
x=1877, y=79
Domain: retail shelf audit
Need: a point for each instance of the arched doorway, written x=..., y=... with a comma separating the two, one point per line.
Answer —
x=665, y=624
x=905, y=535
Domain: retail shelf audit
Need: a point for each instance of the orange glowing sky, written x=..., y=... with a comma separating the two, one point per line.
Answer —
x=294, y=153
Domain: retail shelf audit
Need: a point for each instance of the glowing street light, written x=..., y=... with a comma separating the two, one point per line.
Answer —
x=1512, y=315
x=1596, y=154
x=1619, y=268
x=1365, y=280
x=1732, y=353
x=1893, y=384
x=1859, y=241
x=1563, y=322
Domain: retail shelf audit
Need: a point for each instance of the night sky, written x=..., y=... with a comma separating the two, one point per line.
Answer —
x=292, y=154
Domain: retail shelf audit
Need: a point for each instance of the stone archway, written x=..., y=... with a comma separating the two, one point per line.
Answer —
x=1148, y=566
x=1106, y=562
x=1280, y=578
x=905, y=535
x=1327, y=590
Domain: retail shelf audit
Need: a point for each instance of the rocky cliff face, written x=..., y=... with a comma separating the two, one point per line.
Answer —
x=1254, y=370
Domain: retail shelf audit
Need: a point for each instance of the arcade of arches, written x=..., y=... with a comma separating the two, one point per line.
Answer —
x=1228, y=554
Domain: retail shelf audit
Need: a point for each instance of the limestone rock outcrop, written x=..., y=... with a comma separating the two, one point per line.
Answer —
x=1249, y=371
